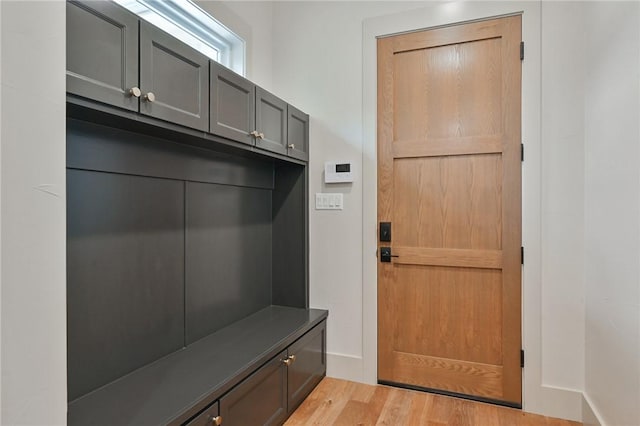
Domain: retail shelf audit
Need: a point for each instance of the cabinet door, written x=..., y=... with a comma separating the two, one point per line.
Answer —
x=232, y=105
x=298, y=134
x=271, y=121
x=209, y=417
x=102, y=53
x=309, y=365
x=261, y=399
x=177, y=76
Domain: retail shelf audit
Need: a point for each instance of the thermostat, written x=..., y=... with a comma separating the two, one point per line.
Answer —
x=338, y=172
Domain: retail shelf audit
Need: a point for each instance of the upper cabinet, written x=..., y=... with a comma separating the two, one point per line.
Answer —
x=298, y=134
x=174, y=79
x=247, y=113
x=102, y=53
x=119, y=60
x=232, y=105
x=165, y=79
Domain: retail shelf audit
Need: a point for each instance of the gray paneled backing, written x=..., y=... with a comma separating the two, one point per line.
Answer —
x=125, y=275
x=309, y=367
x=177, y=75
x=261, y=399
x=289, y=236
x=298, y=134
x=189, y=380
x=228, y=255
x=271, y=120
x=232, y=102
x=94, y=147
x=102, y=52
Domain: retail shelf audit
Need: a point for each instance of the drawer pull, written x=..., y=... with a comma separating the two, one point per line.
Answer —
x=290, y=360
x=291, y=146
x=217, y=420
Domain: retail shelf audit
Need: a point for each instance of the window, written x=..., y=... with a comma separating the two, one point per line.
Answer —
x=189, y=23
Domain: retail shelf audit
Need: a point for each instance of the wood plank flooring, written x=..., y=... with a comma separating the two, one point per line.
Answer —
x=340, y=402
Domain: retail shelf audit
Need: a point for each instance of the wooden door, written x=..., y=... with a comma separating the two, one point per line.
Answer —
x=271, y=122
x=233, y=104
x=102, y=53
x=177, y=76
x=308, y=367
x=449, y=181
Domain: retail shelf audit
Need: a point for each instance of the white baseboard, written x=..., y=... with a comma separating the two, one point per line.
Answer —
x=590, y=415
x=345, y=367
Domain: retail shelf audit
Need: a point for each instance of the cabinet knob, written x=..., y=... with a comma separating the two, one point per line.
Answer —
x=150, y=97
x=217, y=420
x=291, y=146
x=289, y=360
x=135, y=92
x=261, y=135
x=254, y=133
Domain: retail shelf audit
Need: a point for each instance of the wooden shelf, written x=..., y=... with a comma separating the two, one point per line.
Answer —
x=184, y=383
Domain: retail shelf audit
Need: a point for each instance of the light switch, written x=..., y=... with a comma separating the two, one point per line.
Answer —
x=331, y=201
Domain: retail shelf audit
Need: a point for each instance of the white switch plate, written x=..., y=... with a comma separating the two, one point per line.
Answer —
x=331, y=201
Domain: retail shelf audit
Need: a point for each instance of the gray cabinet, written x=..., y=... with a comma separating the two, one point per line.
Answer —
x=174, y=79
x=271, y=122
x=244, y=112
x=115, y=59
x=308, y=367
x=102, y=53
x=297, y=134
x=209, y=417
x=232, y=101
x=259, y=400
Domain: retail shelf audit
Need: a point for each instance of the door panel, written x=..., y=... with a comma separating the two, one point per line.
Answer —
x=298, y=134
x=102, y=53
x=271, y=120
x=232, y=105
x=309, y=365
x=178, y=77
x=261, y=399
x=449, y=182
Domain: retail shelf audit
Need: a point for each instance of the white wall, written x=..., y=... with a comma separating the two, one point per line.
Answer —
x=33, y=221
x=612, y=211
x=562, y=145
x=253, y=22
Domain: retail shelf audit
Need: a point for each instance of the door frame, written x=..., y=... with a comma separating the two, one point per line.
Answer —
x=536, y=397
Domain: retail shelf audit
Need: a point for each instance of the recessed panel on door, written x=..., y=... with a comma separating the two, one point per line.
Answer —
x=298, y=134
x=174, y=79
x=271, y=122
x=232, y=105
x=102, y=53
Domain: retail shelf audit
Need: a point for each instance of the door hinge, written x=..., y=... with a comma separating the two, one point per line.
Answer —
x=522, y=50
x=521, y=358
x=522, y=255
x=521, y=152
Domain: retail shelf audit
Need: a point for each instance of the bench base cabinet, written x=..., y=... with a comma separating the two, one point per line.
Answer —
x=273, y=392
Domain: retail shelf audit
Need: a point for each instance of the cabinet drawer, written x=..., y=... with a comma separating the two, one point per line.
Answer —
x=309, y=366
x=209, y=417
x=261, y=399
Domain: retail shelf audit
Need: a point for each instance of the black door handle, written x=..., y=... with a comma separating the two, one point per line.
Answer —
x=385, y=254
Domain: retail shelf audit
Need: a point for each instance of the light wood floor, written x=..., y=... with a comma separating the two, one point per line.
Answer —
x=340, y=402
